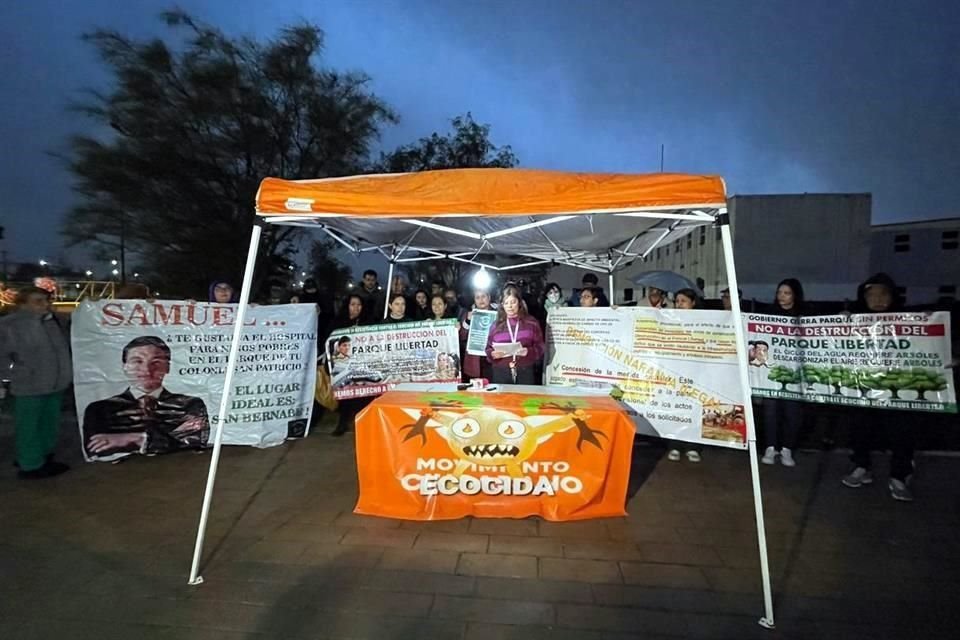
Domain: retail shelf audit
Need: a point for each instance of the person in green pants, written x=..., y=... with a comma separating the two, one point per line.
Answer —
x=35, y=355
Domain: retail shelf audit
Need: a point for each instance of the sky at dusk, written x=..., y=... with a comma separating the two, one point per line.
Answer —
x=777, y=97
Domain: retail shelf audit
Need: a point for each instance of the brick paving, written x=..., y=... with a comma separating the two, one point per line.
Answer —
x=103, y=552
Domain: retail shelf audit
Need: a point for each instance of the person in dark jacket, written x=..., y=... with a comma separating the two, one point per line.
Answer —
x=782, y=419
x=222, y=292
x=351, y=316
x=35, y=353
x=396, y=310
x=878, y=294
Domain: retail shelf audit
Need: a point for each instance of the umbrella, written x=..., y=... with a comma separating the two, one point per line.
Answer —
x=666, y=281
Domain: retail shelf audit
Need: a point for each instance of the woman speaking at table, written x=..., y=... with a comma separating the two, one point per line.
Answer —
x=515, y=344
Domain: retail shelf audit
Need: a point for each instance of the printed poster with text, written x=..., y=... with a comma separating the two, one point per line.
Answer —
x=367, y=361
x=889, y=360
x=677, y=369
x=148, y=376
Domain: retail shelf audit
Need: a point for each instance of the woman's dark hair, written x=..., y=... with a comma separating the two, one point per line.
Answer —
x=798, y=299
x=425, y=295
x=690, y=293
x=878, y=280
x=394, y=296
x=439, y=297
x=345, y=310
x=511, y=289
x=551, y=286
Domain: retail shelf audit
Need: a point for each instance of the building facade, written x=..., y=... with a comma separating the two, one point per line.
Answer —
x=923, y=258
x=823, y=240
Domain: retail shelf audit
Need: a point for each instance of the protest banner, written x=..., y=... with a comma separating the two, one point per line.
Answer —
x=436, y=456
x=148, y=376
x=367, y=361
x=677, y=369
x=481, y=322
x=882, y=360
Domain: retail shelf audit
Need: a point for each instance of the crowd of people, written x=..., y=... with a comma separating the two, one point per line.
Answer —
x=35, y=356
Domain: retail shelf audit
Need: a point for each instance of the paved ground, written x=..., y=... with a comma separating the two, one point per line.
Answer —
x=103, y=552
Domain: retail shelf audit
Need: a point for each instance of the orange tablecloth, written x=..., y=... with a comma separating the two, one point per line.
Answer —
x=436, y=456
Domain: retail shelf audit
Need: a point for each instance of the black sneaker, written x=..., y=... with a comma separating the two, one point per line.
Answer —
x=48, y=470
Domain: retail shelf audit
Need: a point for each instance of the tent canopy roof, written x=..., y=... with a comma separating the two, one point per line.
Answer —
x=488, y=192
x=591, y=220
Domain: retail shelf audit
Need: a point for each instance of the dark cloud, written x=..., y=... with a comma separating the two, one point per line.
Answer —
x=774, y=96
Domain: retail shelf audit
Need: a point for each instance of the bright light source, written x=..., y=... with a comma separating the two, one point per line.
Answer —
x=481, y=279
x=349, y=285
x=43, y=262
x=115, y=272
x=77, y=285
x=379, y=288
x=303, y=274
x=136, y=275
x=291, y=267
x=89, y=273
x=113, y=262
x=301, y=283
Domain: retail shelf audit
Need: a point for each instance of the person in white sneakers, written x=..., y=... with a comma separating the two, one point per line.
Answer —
x=782, y=418
x=685, y=299
x=878, y=295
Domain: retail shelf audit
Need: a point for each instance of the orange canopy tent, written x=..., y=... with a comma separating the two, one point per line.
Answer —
x=601, y=222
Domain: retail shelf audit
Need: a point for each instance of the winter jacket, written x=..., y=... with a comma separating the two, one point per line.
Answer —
x=35, y=353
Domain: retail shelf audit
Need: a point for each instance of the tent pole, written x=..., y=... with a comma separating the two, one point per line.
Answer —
x=724, y=222
x=195, y=577
x=386, y=298
x=613, y=293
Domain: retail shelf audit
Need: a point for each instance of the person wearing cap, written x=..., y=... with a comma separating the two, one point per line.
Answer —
x=878, y=294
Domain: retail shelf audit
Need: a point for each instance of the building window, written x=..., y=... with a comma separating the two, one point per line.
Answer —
x=719, y=235
x=658, y=253
x=667, y=250
x=949, y=240
x=690, y=241
x=628, y=293
x=901, y=243
x=678, y=246
x=703, y=234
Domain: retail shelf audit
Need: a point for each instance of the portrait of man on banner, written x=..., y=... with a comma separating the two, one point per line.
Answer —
x=146, y=417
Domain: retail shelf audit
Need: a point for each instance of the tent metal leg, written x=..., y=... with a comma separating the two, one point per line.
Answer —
x=613, y=292
x=195, y=577
x=767, y=621
x=386, y=298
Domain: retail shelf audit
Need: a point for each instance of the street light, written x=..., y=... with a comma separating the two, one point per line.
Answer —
x=113, y=263
x=88, y=272
x=43, y=262
x=115, y=272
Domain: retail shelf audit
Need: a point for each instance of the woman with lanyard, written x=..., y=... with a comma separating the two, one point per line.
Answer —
x=517, y=328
